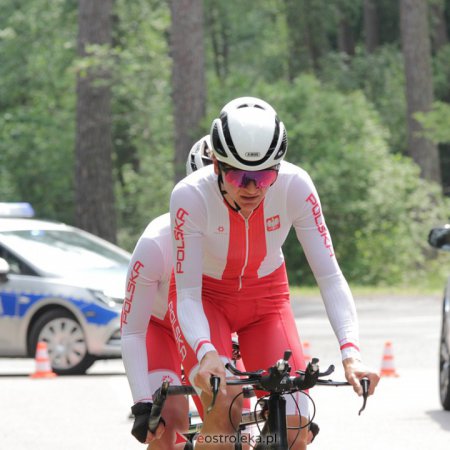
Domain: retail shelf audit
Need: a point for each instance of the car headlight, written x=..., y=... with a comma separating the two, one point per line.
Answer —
x=106, y=299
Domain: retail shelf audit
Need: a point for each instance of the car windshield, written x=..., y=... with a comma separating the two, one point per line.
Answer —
x=59, y=252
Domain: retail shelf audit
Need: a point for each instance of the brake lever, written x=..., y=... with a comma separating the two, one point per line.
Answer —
x=215, y=383
x=365, y=383
x=327, y=372
x=237, y=372
x=158, y=403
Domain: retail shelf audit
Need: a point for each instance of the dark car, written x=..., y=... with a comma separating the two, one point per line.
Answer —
x=440, y=238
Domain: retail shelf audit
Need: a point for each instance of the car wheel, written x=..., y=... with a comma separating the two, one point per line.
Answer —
x=444, y=365
x=66, y=342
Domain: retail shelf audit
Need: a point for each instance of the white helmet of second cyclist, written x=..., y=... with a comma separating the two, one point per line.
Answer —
x=248, y=135
x=199, y=155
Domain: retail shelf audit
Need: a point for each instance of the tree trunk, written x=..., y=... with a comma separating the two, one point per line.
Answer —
x=419, y=87
x=94, y=191
x=371, y=26
x=188, y=77
x=217, y=25
x=439, y=32
x=346, y=40
x=298, y=38
x=307, y=38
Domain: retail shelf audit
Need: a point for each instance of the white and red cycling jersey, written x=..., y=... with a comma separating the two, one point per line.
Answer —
x=223, y=261
x=148, y=349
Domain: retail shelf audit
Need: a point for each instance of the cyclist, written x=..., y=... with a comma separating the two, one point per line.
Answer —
x=229, y=224
x=148, y=347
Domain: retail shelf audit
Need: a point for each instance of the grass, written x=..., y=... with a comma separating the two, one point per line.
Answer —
x=425, y=289
x=430, y=281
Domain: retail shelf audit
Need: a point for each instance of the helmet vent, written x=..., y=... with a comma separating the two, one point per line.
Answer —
x=215, y=141
x=283, y=147
x=227, y=134
x=193, y=165
x=276, y=134
x=246, y=105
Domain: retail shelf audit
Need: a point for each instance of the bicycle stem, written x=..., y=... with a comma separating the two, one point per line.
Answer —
x=276, y=422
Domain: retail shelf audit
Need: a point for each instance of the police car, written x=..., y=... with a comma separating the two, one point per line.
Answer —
x=440, y=238
x=61, y=285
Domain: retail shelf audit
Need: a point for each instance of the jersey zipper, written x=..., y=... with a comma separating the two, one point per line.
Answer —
x=246, y=250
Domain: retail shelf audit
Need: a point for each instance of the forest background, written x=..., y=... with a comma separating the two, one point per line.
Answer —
x=100, y=101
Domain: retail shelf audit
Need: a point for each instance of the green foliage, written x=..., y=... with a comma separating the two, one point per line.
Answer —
x=142, y=116
x=37, y=101
x=436, y=123
x=388, y=19
x=377, y=208
x=143, y=196
x=441, y=73
x=255, y=48
x=348, y=130
x=381, y=77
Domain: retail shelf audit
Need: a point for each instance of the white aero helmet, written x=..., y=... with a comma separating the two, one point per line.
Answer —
x=199, y=155
x=248, y=135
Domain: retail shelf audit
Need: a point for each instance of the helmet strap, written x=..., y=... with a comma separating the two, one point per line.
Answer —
x=236, y=208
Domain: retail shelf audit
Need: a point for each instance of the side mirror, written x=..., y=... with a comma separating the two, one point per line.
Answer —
x=440, y=237
x=4, y=270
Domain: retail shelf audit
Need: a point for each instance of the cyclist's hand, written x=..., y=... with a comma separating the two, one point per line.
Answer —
x=355, y=370
x=141, y=412
x=157, y=435
x=211, y=364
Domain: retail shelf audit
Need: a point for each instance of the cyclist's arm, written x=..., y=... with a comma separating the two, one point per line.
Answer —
x=188, y=220
x=144, y=275
x=314, y=236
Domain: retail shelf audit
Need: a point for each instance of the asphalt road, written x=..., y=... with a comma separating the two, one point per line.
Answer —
x=91, y=412
x=405, y=413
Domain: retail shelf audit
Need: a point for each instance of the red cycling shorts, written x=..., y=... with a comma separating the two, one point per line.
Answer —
x=164, y=361
x=259, y=313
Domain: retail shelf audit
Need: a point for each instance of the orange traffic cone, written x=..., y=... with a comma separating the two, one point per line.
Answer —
x=43, y=367
x=307, y=352
x=387, y=363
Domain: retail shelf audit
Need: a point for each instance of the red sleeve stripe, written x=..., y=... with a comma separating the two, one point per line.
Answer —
x=349, y=344
x=199, y=346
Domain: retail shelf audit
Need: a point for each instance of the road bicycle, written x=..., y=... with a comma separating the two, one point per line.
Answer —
x=277, y=381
